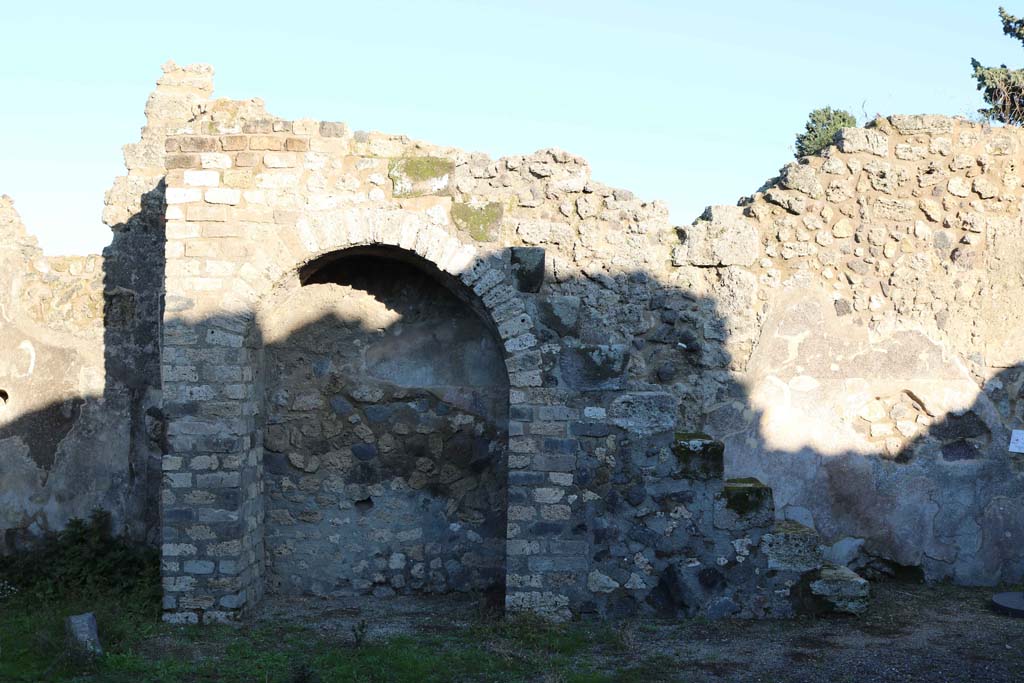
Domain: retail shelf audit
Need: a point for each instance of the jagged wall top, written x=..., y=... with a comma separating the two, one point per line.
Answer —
x=181, y=94
x=910, y=221
x=12, y=231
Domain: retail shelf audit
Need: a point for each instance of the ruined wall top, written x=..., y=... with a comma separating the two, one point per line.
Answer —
x=910, y=222
x=12, y=231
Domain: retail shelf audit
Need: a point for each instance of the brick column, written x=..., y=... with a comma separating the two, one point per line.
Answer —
x=544, y=563
x=212, y=494
x=212, y=550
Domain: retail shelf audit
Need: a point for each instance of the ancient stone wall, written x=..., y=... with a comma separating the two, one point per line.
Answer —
x=63, y=438
x=392, y=366
x=81, y=426
x=878, y=350
x=620, y=330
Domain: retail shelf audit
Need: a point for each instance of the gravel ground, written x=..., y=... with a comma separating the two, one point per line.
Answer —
x=912, y=633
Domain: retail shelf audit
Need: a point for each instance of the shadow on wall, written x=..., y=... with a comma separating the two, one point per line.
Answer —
x=84, y=450
x=385, y=437
x=949, y=499
x=886, y=446
x=637, y=520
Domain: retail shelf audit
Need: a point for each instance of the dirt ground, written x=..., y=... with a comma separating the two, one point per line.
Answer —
x=912, y=633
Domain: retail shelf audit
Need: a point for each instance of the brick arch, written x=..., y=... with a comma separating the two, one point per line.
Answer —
x=213, y=523
x=222, y=269
x=277, y=333
x=486, y=276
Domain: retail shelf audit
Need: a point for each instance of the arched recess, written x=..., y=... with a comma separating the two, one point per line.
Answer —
x=213, y=503
x=385, y=427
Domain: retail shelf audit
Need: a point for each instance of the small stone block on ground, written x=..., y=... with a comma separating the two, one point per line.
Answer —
x=83, y=636
x=841, y=589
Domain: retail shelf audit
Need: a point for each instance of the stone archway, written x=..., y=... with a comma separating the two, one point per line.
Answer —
x=386, y=431
x=220, y=279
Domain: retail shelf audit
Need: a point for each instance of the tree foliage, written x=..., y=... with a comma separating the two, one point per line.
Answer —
x=820, y=130
x=1002, y=87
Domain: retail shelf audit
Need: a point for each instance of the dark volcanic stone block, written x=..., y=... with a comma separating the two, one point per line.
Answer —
x=700, y=456
x=966, y=426
x=341, y=406
x=528, y=268
x=590, y=368
x=364, y=451
x=561, y=314
x=960, y=450
x=748, y=496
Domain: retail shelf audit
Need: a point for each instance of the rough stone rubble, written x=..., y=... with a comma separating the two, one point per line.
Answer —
x=387, y=366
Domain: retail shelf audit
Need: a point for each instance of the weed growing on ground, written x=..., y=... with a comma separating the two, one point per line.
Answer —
x=359, y=632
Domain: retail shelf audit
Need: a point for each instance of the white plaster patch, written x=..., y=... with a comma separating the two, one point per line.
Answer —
x=803, y=383
x=28, y=348
x=1017, y=441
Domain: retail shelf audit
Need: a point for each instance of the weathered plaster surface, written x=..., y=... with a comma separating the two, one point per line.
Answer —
x=64, y=442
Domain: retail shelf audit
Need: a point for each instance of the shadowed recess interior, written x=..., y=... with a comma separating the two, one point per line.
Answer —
x=386, y=433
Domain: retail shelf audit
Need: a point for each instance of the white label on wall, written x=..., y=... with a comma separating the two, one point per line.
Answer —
x=1017, y=441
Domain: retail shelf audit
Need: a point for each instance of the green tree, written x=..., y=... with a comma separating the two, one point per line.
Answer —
x=1002, y=87
x=820, y=130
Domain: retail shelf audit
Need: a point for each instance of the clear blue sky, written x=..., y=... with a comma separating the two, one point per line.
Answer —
x=693, y=103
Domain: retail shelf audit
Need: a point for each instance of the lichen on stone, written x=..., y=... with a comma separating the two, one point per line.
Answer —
x=746, y=495
x=481, y=222
x=420, y=175
x=700, y=456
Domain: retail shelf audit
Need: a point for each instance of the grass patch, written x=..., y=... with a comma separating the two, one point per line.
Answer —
x=140, y=649
x=32, y=640
x=418, y=169
x=531, y=633
x=86, y=569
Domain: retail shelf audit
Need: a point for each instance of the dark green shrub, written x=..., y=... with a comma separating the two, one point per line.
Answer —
x=820, y=130
x=85, y=559
x=1002, y=87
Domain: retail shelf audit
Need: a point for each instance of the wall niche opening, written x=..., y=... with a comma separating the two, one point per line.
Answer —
x=386, y=432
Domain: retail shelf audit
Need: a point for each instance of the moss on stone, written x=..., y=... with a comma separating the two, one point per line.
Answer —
x=419, y=176
x=788, y=526
x=419, y=169
x=700, y=456
x=481, y=223
x=746, y=495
